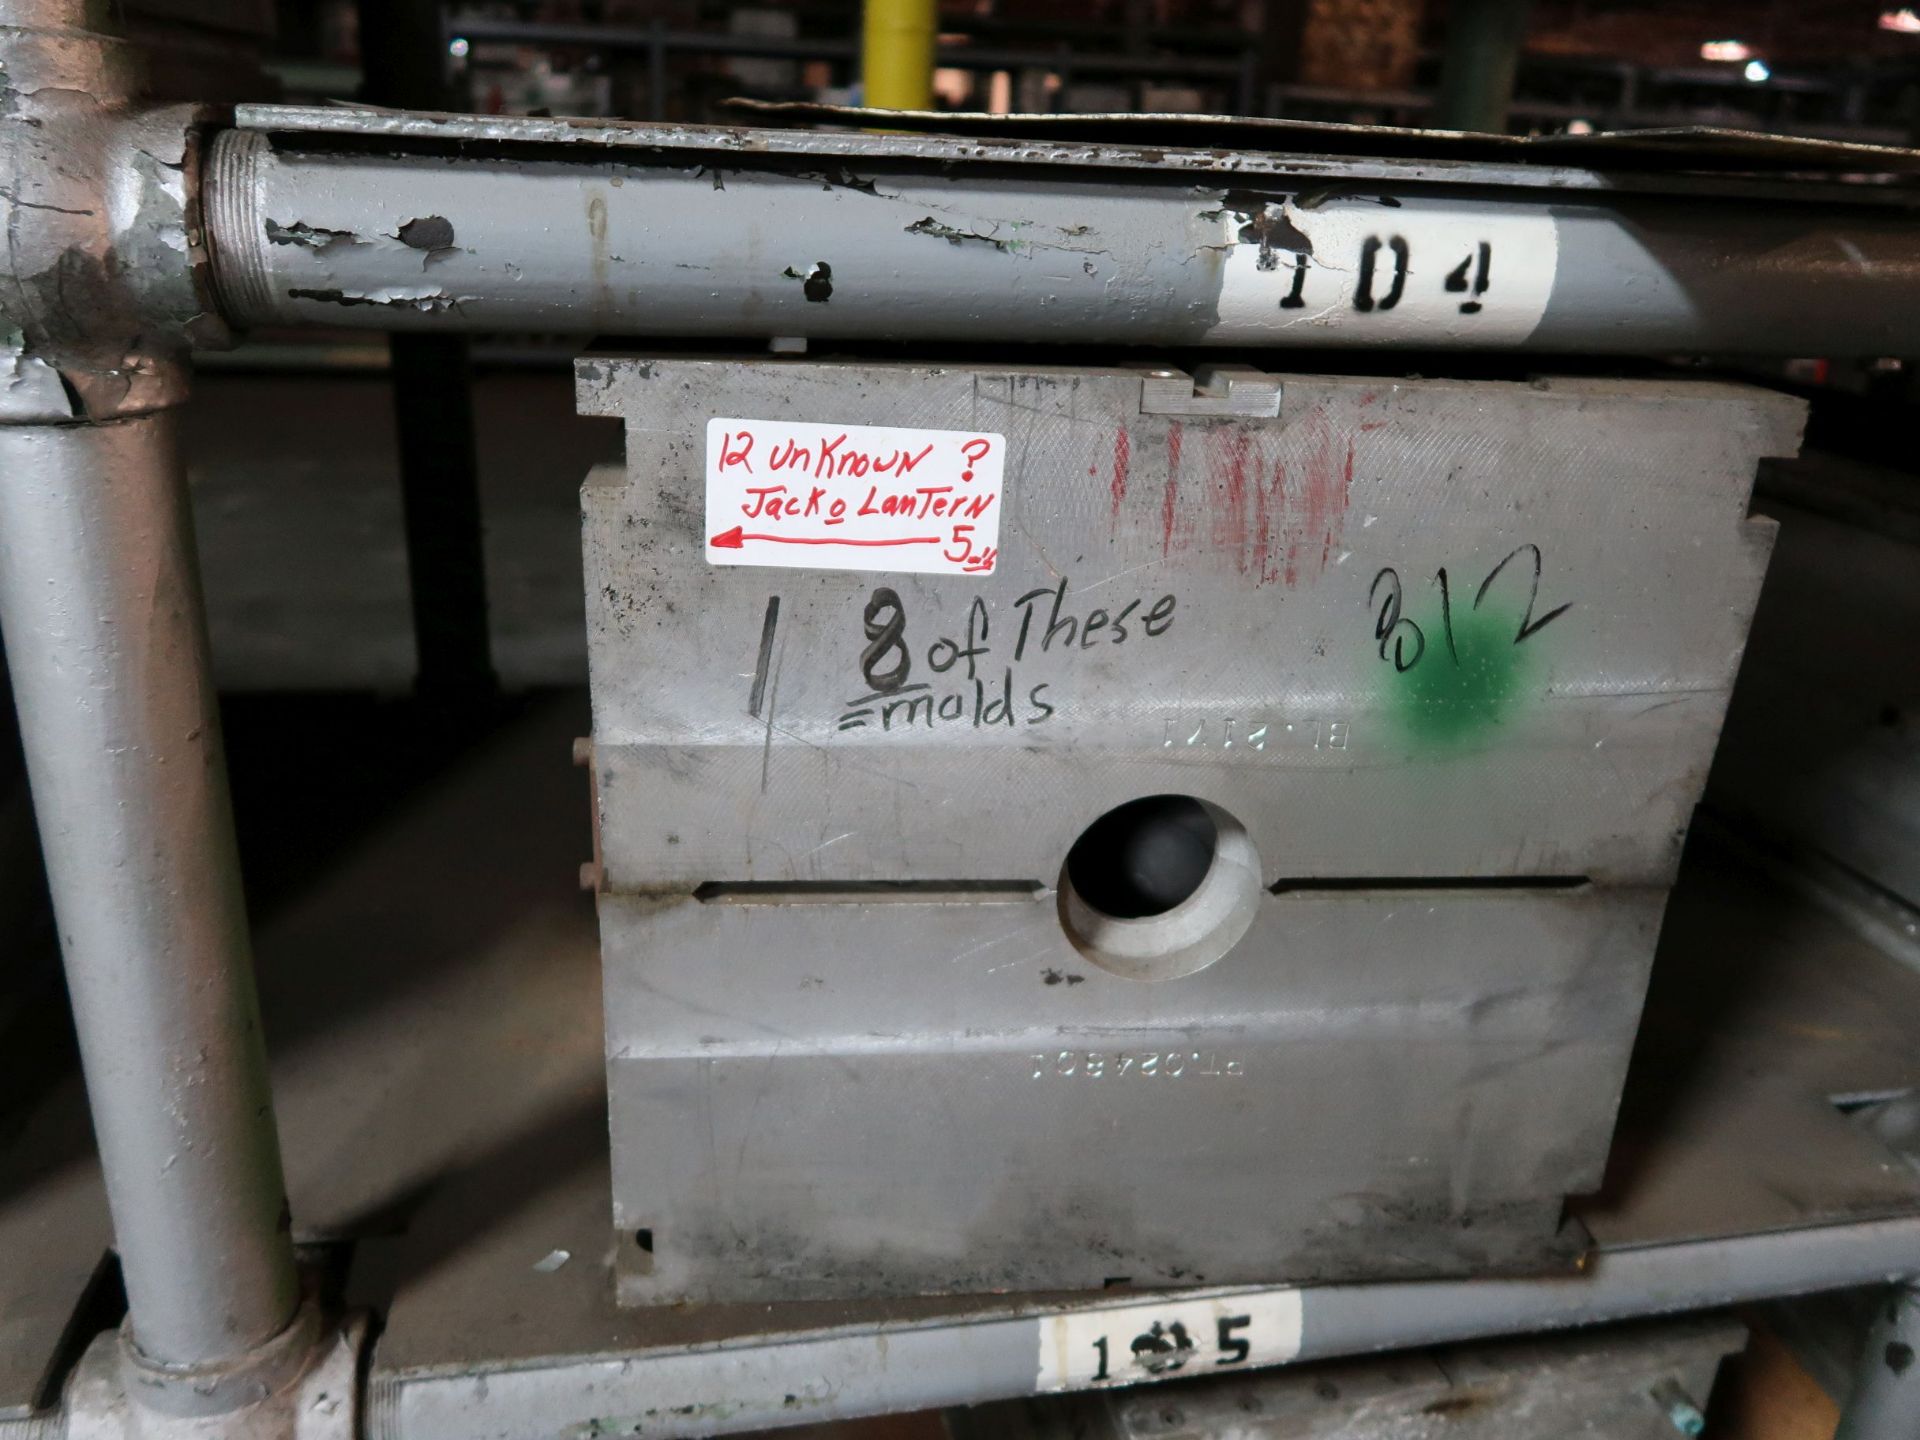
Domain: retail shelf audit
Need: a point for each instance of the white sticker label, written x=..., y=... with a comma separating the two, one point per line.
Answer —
x=1421, y=272
x=853, y=497
x=1158, y=1340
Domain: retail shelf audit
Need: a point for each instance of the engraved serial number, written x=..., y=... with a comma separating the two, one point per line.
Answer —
x=1167, y=1064
x=1219, y=732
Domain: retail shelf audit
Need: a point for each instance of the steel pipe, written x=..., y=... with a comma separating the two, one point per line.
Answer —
x=440, y=234
x=100, y=292
x=105, y=636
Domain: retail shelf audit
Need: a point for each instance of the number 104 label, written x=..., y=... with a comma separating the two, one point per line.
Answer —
x=1159, y=1340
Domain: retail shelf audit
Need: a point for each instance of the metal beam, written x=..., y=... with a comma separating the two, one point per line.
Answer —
x=929, y=246
x=789, y=1378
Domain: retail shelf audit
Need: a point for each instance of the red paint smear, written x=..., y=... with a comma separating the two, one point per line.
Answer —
x=1230, y=478
x=1175, y=435
x=1291, y=575
x=1319, y=491
x=1277, y=518
x=1243, y=505
x=1301, y=502
x=1312, y=500
x=1263, y=527
x=1122, y=463
x=1339, y=508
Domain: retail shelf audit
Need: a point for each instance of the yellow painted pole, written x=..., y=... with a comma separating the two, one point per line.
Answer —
x=897, y=54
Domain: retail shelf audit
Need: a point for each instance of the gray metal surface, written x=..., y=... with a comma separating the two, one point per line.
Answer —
x=838, y=1100
x=1381, y=1077
x=107, y=648
x=1599, y=1384
x=1576, y=753
x=669, y=231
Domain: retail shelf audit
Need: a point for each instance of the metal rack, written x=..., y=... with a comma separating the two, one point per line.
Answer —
x=1738, y=1187
x=445, y=1073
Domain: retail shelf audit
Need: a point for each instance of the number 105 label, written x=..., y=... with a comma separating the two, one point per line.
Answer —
x=1158, y=1340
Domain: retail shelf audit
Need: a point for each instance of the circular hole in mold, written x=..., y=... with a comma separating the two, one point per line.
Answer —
x=1160, y=887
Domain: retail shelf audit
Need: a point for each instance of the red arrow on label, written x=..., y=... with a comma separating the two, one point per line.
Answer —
x=734, y=539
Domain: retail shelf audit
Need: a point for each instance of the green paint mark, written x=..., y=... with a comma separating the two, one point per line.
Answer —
x=1439, y=702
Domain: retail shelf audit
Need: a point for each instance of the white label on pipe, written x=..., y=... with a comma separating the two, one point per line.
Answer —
x=1380, y=274
x=1162, y=1339
x=853, y=497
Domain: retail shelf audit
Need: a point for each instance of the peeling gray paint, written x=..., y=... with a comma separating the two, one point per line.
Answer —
x=952, y=234
x=817, y=281
x=427, y=300
x=840, y=178
x=316, y=238
x=428, y=232
x=1266, y=221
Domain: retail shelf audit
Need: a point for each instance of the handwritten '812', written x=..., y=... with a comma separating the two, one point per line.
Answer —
x=1404, y=642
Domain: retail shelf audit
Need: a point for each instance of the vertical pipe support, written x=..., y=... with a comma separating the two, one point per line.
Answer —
x=101, y=290
x=105, y=632
x=403, y=51
x=657, y=69
x=1885, y=1404
x=1481, y=58
x=440, y=501
x=897, y=47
